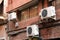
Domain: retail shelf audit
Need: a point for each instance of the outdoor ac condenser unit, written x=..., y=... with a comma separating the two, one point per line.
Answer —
x=48, y=12
x=32, y=30
x=12, y=16
x=9, y=16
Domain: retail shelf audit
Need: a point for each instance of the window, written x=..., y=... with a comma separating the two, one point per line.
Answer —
x=51, y=3
x=33, y=11
x=43, y=3
x=18, y=15
x=27, y=13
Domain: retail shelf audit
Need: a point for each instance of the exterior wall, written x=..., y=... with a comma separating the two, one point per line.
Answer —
x=47, y=33
x=50, y=33
x=23, y=24
x=3, y=34
x=2, y=31
x=12, y=4
x=5, y=6
x=21, y=36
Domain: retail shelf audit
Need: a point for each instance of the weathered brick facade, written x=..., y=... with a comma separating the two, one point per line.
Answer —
x=46, y=33
x=3, y=35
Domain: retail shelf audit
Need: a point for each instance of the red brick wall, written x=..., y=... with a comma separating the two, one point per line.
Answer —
x=46, y=33
x=21, y=36
x=50, y=33
x=23, y=23
x=3, y=32
x=11, y=26
x=12, y=4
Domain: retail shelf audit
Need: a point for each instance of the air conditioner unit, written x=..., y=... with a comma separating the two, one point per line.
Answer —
x=32, y=30
x=48, y=12
x=9, y=16
x=2, y=38
x=12, y=16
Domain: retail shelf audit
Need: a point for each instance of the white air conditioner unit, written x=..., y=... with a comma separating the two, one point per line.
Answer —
x=2, y=38
x=12, y=16
x=9, y=16
x=48, y=12
x=32, y=30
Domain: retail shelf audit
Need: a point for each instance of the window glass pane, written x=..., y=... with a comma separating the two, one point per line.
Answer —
x=33, y=11
x=19, y=15
x=25, y=14
x=51, y=3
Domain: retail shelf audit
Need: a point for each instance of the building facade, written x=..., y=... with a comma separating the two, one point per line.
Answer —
x=27, y=12
x=3, y=35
